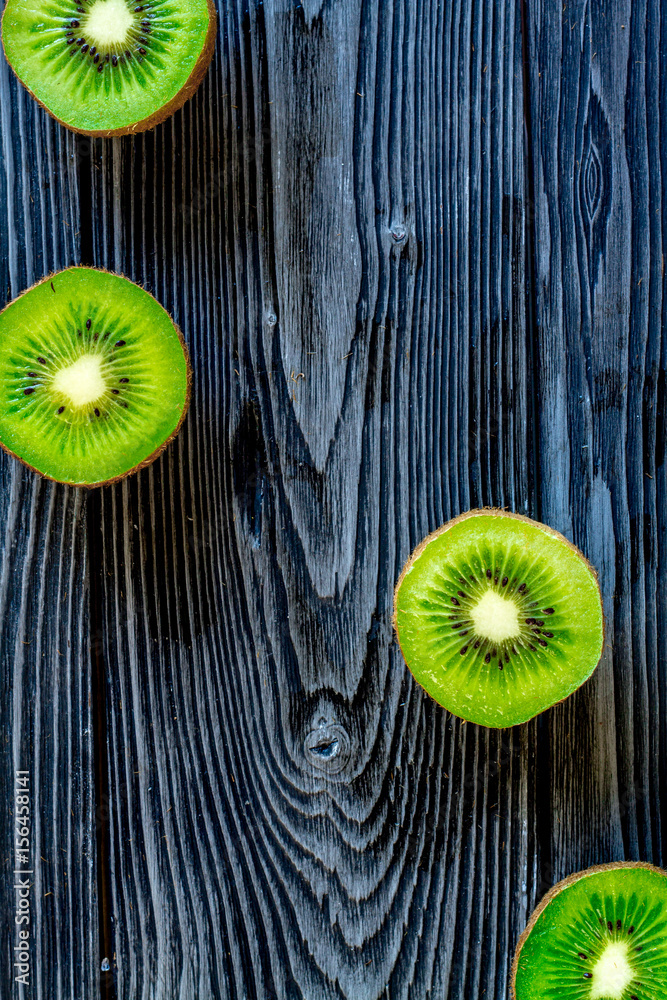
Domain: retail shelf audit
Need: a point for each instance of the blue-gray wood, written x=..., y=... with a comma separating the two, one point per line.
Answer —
x=338, y=224
x=598, y=148
x=416, y=250
x=46, y=725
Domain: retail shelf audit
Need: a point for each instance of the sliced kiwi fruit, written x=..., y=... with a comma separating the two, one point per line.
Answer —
x=598, y=935
x=94, y=377
x=110, y=67
x=498, y=617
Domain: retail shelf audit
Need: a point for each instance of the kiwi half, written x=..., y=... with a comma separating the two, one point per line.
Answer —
x=94, y=377
x=110, y=67
x=598, y=935
x=498, y=617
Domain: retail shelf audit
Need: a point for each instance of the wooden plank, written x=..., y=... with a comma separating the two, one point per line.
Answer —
x=598, y=150
x=337, y=222
x=45, y=685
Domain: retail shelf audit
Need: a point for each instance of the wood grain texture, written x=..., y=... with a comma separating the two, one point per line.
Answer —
x=45, y=677
x=598, y=147
x=337, y=222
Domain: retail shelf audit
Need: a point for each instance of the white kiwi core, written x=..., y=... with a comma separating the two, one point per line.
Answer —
x=495, y=618
x=81, y=382
x=612, y=973
x=108, y=23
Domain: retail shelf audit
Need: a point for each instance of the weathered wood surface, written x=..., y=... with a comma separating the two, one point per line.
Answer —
x=45, y=679
x=417, y=254
x=598, y=152
x=338, y=224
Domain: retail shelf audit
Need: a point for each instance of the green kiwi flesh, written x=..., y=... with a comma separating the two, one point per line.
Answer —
x=109, y=67
x=94, y=377
x=498, y=617
x=599, y=935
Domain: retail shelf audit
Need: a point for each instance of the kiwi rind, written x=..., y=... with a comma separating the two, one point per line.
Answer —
x=187, y=91
x=494, y=512
x=188, y=389
x=553, y=892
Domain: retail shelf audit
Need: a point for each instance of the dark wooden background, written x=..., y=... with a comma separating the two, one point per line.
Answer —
x=417, y=251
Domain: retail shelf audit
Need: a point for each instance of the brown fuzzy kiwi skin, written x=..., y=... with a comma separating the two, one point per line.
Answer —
x=188, y=389
x=167, y=110
x=493, y=512
x=570, y=880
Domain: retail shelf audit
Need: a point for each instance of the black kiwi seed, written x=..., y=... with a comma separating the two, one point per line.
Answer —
x=459, y=592
x=114, y=60
x=127, y=380
x=547, y=611
x=631, y=930
x=61, y=409
x=619, y=924
x=454, y=601
x=610, y=925
x=89, y=323
x=588, y=975
x=28, y=392
x=84, y=48
x=549, y=635
x=487, y=658
x=500, y=666
x=489, y=574
x=464, y=650
x=42, y=361
x=32, y=375
x=477, y=644
x=505, y=581
x=458, y=624
x=97, y=412
x=120, y=343
x=584, y=958
x=522, y=588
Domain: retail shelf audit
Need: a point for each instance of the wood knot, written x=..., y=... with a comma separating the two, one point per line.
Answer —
x=327, y=747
